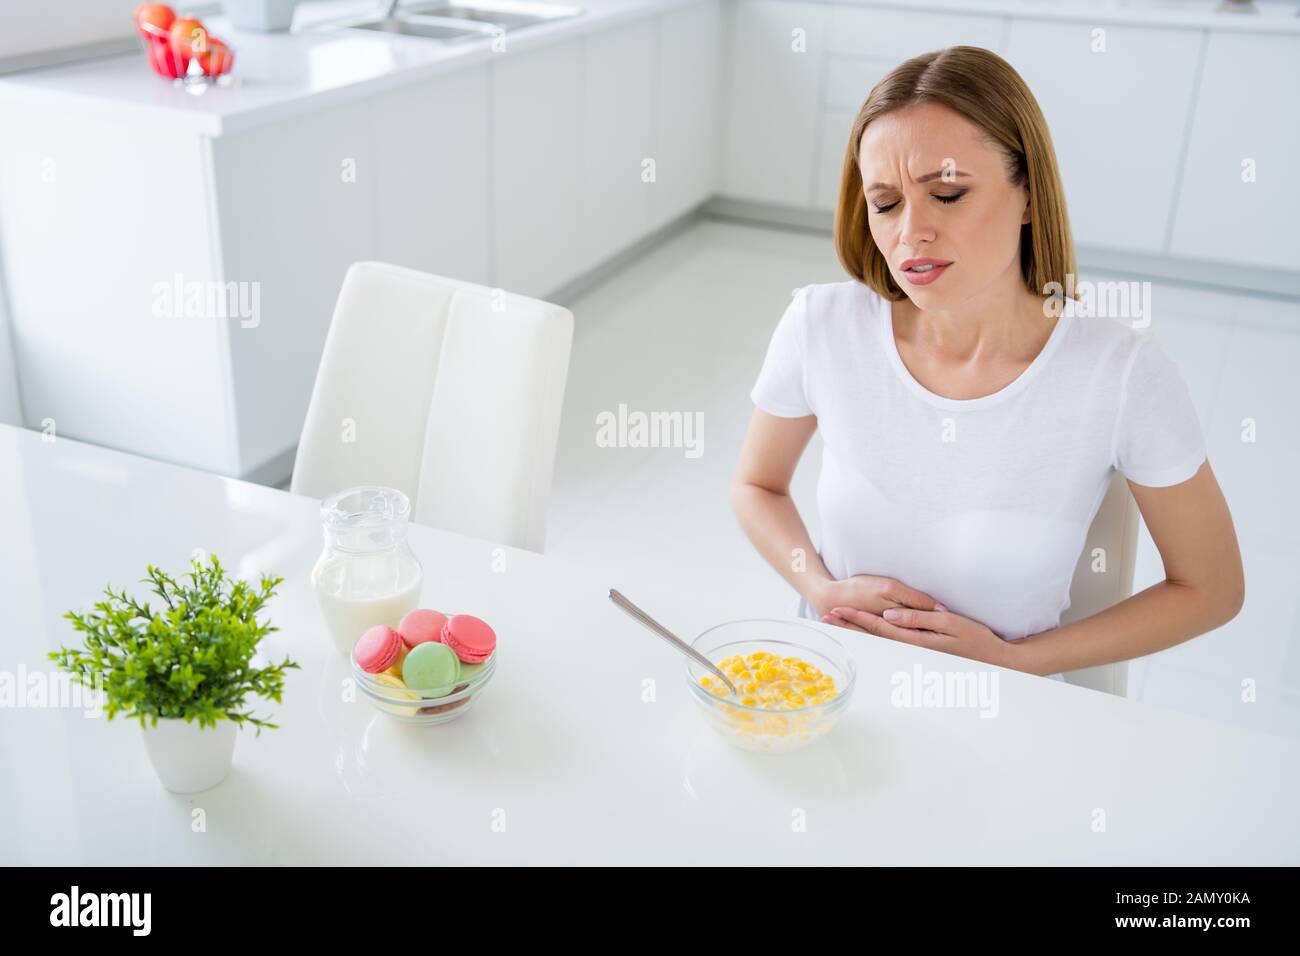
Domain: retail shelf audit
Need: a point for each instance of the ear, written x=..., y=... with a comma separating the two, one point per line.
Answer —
x=1024, y=220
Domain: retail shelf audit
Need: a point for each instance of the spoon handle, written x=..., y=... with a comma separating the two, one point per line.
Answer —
x=671, y=638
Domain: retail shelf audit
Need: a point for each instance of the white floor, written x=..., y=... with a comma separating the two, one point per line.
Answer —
x=685, y=329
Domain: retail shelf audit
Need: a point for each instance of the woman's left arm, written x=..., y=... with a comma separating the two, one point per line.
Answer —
x=1204, y=586
x=1203, y=589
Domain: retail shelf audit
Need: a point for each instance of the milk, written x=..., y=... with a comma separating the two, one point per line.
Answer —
x=357, y=591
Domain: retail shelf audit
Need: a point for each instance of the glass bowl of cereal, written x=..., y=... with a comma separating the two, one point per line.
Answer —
x=794, y=681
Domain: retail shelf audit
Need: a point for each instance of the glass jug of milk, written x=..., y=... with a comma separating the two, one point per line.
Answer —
x=367, y=574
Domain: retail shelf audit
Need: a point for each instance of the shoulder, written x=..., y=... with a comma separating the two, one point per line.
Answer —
x=837, y=296
x=822, y=307
x=1128, y=362
x=1106, y=341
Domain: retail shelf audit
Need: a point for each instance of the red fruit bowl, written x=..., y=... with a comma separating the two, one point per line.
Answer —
x=153, y=21
x=166, y=61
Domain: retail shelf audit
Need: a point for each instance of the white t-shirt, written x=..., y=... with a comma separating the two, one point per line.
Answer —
x=983, y=503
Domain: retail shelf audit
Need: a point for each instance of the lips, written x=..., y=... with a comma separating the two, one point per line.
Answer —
x=924, y=271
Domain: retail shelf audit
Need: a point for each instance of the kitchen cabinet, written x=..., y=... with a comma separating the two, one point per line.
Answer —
x=1117, y=117
x=93, y=239
x=596, y=110
x=294, y=206
x=776, y=48
x=687, y=94
x=1240, y=200
x=401, y=179
x=617, y=118
x=536, y=157
x=433, y=186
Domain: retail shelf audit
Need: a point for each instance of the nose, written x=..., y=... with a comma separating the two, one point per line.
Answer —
x=916, y=229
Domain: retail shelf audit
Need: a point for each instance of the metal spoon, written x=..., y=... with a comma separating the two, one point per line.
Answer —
x=672, y=639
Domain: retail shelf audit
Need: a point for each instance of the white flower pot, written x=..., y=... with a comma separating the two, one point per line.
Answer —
x=188, y=758
x=266, y=16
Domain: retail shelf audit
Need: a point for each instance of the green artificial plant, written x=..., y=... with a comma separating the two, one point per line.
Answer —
x=189, y=660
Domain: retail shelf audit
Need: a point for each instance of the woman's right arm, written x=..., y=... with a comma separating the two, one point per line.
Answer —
x=760, y=496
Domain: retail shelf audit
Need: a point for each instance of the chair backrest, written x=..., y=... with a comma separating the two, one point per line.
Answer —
x=1114, y=529
x=446, y=390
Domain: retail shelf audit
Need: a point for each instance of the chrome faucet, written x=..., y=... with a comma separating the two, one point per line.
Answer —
x=392, y=9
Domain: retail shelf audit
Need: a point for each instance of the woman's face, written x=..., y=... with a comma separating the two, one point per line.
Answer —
x=937, y=191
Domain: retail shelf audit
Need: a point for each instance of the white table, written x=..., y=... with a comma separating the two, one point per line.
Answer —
x=562, y=746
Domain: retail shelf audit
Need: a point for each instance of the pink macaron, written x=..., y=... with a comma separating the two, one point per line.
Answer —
x=471, y=638
x=421, y=626
x=378, y=649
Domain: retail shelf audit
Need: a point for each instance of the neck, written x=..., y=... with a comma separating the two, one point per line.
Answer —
x=1003, y=322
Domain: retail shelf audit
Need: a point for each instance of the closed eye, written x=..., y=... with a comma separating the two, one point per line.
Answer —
x=943, y=199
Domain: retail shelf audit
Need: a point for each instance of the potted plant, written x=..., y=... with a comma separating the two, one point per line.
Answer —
x=183, y=669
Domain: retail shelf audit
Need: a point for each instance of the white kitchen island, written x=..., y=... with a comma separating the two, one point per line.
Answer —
x=565, y=758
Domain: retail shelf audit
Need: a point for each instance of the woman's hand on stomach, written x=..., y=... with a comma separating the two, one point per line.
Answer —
x=868, y=592
x=938, y=629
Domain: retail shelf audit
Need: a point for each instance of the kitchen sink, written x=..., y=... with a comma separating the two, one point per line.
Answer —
x=503, y=14
x=418, y=27
x=449, y=20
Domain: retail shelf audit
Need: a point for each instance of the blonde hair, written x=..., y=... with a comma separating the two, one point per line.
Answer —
x=984, y=88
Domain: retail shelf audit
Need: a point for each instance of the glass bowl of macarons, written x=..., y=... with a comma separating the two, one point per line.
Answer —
x=793, y=682
x=427, y=670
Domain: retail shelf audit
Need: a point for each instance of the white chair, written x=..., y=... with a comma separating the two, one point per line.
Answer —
x=446, y=390
x=1115, y=529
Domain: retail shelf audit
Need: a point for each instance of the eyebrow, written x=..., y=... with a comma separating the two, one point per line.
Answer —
x=920, y=179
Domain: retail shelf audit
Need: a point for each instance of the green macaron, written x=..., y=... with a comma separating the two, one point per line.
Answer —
x=467, y=671
x=431, y=669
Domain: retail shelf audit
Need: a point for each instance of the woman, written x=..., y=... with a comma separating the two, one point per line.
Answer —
x=971, y=421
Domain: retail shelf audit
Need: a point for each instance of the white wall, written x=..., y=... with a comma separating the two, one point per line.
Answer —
x=30, y=26
x=10, y=409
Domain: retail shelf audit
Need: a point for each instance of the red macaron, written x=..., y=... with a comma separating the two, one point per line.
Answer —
x=470, y=637
x=378, y=649
x=421, y=626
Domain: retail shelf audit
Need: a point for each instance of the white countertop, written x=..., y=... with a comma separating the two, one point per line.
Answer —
x=561, y=741
x=277, y=75
x=280, y=74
